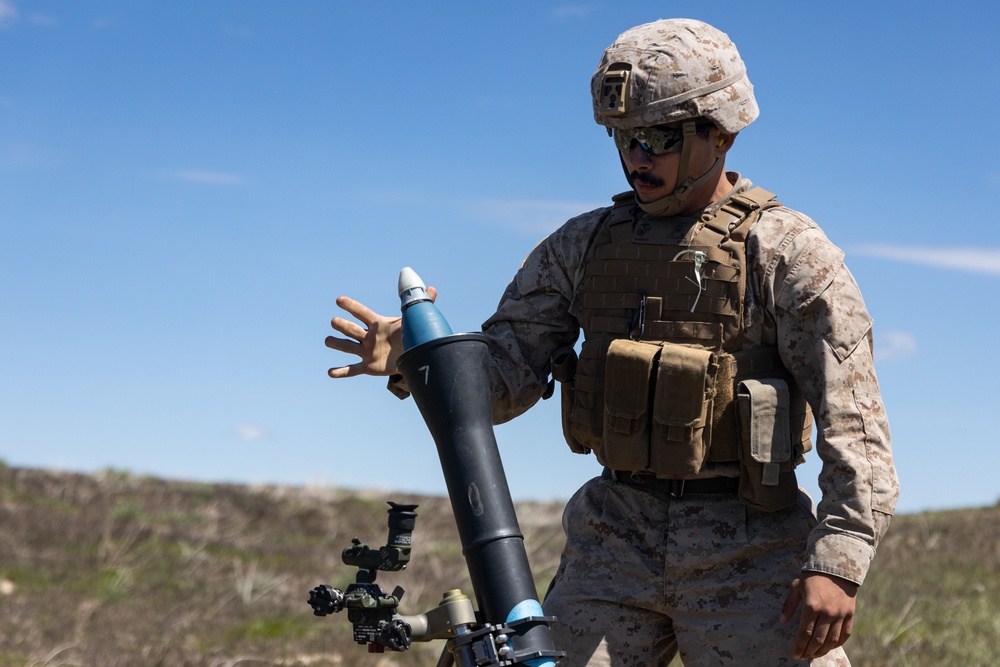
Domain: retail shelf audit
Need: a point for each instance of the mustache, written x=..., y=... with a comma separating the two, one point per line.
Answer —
x=645, y=179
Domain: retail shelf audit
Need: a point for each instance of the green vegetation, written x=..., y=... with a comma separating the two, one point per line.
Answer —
x=933, y=596
x=117, y=569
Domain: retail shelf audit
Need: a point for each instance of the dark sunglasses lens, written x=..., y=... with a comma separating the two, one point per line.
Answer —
x=654, y=141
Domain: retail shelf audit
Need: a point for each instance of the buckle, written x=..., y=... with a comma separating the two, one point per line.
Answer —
x=637, y=317
x=677, y=488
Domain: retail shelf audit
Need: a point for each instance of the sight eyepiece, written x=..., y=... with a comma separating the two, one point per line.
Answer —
x=402, y=519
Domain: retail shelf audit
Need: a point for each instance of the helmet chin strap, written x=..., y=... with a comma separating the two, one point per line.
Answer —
x=673, y=203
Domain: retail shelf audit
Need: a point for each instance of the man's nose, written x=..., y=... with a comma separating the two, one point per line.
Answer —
x=638, y=157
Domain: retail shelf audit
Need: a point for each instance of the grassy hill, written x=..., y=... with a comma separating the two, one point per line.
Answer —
x=114, y=569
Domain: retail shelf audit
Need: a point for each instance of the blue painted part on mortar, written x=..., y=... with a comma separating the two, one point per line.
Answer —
x=524, y=609
x=422, y=322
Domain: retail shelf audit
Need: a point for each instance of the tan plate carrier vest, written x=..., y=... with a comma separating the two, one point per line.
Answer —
x=656, y=385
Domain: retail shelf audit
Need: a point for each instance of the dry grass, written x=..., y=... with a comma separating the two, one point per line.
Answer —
x=933, y=596
x=121, y=570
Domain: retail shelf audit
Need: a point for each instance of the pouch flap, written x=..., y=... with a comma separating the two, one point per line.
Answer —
x=563, y=364
x=770, y=442
x=681, y=381
x=629, y=369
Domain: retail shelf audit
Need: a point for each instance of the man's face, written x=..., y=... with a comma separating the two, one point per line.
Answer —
x=653, y=160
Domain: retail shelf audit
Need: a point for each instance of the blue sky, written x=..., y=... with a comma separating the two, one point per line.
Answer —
x=186, y=187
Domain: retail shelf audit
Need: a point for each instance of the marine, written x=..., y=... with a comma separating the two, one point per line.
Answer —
x=722, y=333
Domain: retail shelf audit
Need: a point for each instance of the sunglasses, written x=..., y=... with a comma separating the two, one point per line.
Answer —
x=654, y=140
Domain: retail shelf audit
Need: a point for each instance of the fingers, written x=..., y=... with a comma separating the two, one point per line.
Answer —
x=828, y=608
x=343, y=345
x=804, y=636
x=792, y=602
x=846, y=630
x=833, y=638
x=377, y=340
x=813, y=641
x=346, y=371
x=820, y=640
x=350, y=347
x=348, y=328
x=359, y=310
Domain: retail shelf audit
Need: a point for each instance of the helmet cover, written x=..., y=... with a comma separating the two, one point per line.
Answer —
x=672, y=70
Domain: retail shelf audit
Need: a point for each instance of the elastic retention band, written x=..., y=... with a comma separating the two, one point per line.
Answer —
x=690, y=129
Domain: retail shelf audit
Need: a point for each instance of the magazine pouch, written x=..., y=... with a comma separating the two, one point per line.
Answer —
x=767, y=477
x=682, y=410
x=629, y=373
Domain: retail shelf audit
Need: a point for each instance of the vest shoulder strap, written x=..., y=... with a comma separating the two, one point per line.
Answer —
x=756, y=197
x=627, y=196
x=619, y=221
x=740, y=209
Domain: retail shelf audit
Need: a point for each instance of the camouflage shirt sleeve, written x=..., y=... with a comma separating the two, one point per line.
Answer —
x=537, y=316
x=811, y=308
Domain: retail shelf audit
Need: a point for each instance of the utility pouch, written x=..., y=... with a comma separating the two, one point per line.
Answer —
x=585, y=399
x=627, y=382
x=563, y=365
x=682, y=410
x=767, y=477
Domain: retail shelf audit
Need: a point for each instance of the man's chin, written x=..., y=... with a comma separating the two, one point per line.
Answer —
x=648, y=193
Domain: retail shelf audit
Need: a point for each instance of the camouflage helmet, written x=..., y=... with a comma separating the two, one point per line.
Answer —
x=672, y=70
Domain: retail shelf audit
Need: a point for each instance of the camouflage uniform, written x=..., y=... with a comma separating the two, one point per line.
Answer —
x=644, y=573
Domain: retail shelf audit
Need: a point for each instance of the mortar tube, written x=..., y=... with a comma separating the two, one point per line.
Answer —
x=449, y=380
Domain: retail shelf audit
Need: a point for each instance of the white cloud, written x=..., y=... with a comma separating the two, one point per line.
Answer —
x=241, y=31
x=572, y=11
x=25, y=157
x=251, y=433
x=894, y=346
x=207, y=177
x=972, y=260
x=8, y=13
x=42, y=20
x=532, y=217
